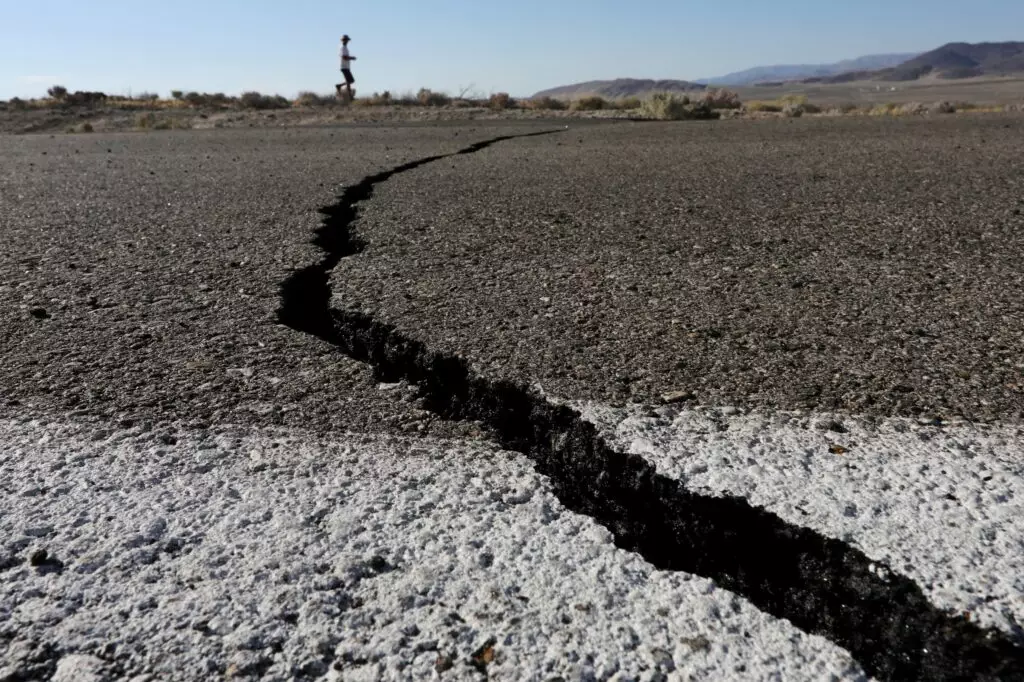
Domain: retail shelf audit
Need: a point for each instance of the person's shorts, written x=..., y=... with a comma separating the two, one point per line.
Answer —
x=349, y=78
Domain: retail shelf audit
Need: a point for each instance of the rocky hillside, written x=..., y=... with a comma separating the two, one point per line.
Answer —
x=621, y=87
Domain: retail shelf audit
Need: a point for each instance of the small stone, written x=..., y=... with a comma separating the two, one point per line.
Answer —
x=444, y=662
x=663, y=660
x=698, y=643
x=484, y=656
x=39, y=531
x=9, y=561
x=678, y=397
x=837, y=449
x=831, y=425
x=39, y=313
x=79, y=668
x=39, y=557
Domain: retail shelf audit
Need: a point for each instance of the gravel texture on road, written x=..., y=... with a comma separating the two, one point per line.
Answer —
x=940, y=504
x=273, y=554
x=140, y=275
x=860, y=265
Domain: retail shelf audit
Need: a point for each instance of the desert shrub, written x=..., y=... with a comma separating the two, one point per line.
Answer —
x=256, y=100
x=912, y=109
x=145, y=121
x=177, y=94
x=628, y=103
x=792, y=111
x=311, y=99
x=664, y=106
x=218, y=99
x=82, y=98
x=721, y=98
x=377, y=99
x=545, y=103
x=57, y=92
x=589, y=103
x=16, y=104
x=844, y=109
x=499, y=101
x=87, y=127
x=429, y=98
x=405, y=99
x=147, y=97
x=943, y=108
x=887, y=109
x=769, y=106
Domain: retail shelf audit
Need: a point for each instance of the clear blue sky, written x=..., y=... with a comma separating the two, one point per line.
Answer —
x=519, y=46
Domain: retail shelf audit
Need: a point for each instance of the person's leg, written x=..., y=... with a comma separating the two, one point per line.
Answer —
x=349, y=80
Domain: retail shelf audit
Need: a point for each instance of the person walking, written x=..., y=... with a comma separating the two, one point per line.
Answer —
x=346, y=68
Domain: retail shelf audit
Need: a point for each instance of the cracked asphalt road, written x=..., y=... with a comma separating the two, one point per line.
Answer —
x=858, y=265
x=861, y=265
x=140, y=276
x=853, y=265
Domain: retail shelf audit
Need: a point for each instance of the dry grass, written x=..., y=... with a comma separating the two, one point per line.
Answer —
x=500, y=101
x=150, y=112
x=544, y=104
x=721, y=99
x=312, y=99
x=589, y=103
x=152, y=121
x=256, y=100
x=428, y=98
x=665, y=106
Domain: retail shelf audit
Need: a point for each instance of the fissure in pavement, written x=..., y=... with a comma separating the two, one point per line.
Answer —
x=822, y=585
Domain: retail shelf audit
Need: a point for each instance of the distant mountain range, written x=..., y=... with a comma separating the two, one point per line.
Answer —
x=954, y=60
x=960, y=60
x=795, y=72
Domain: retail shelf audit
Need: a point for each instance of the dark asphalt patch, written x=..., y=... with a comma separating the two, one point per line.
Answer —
x=139, y=275
x=859, y=265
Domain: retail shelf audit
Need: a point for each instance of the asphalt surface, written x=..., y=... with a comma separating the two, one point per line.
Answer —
x=140, y=276
x=859, y=264
x=839, y=266
x=856, y=265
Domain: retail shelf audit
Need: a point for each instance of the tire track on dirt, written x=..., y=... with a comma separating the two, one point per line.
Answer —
x=824, y=586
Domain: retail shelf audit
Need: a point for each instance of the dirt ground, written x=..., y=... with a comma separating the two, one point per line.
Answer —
x=104, y=119
x=980, y=92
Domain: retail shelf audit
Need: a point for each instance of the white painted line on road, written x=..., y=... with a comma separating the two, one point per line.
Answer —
x=193, y=554
x=943, y=505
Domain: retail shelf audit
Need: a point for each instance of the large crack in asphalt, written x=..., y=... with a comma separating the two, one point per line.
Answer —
x=822, y=585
